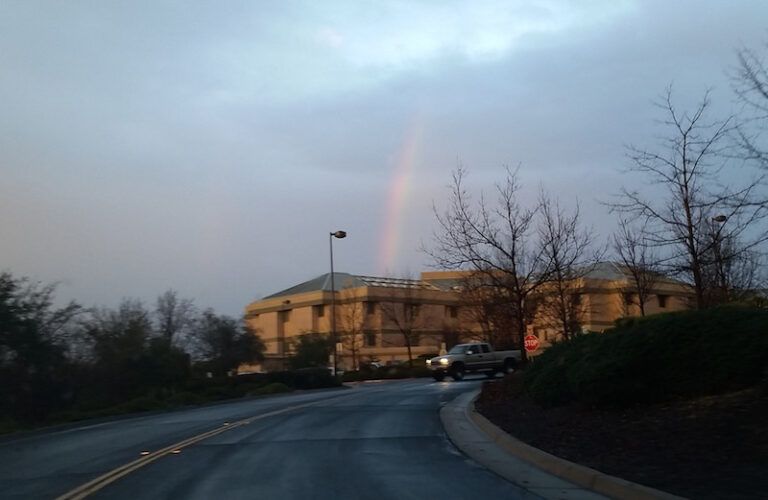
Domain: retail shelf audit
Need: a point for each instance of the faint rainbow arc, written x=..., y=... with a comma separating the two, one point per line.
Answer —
x=397, y=199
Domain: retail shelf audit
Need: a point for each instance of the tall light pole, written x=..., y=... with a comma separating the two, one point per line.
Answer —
x=340, y=235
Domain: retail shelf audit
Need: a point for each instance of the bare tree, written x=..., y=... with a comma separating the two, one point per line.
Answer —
x=569, y=250
x=690, y=172
x=488, y=308
x=352, y=322
x=404, y=313
x=174, y=315
x=631, y=246
x=450, y=335
x=750, y=83
x=731, y=274
x=497, y=241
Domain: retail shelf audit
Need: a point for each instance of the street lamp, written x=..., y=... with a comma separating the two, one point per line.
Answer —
x=339, y=235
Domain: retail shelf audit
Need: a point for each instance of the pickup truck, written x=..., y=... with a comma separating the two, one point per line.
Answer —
x=471, y=358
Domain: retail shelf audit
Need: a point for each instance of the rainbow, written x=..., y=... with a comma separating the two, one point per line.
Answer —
x=397, y=199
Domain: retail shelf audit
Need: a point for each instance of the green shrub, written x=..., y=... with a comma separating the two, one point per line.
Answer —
x=313, y=378
x=356, y=376
x=653, y=359
x=8, y=425
x=399, y=371
x=273, y=388
x=142, y=403
x=185, y=398
x=217, y=393
x=303, y=378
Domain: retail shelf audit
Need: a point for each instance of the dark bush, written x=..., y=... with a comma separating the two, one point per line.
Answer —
x=303, y=378
x=220, y=392
x=357, y=375
x=387, y=372
x=312, y=378
x=273, y=388
x=185, y=398
x=654, y=359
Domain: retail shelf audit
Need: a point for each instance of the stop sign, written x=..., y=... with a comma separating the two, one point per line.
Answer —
x=531, y=343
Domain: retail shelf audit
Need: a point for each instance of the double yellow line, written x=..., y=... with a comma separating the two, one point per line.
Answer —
x=110, y=477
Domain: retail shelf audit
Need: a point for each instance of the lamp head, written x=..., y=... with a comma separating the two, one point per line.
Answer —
x=339, y=234
x=720, y=218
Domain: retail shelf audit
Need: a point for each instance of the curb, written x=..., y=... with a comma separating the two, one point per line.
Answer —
x=581, y=475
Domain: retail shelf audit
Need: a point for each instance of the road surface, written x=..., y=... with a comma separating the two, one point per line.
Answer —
x=377, y=440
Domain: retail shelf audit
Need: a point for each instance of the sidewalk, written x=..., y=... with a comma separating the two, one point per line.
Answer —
x=540, y=473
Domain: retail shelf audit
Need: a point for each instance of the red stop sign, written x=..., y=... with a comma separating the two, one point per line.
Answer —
x=531, y=343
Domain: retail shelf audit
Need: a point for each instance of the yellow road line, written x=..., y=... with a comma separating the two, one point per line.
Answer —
x=100, y=482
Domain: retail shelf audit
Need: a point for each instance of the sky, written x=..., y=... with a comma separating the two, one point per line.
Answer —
x=212, y=147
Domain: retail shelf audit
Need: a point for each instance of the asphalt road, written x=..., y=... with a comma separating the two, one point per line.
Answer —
x=377, y=440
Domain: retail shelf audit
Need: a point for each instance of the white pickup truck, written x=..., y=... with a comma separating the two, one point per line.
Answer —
x=470, y=358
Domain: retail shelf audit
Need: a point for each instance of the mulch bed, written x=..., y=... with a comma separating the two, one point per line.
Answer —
x=713, y=447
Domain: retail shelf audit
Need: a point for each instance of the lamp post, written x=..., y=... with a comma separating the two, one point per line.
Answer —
x=340, y=235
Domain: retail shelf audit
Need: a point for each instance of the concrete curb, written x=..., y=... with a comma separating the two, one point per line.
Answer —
x=583, y=476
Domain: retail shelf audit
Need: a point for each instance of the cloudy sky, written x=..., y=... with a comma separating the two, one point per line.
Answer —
x=211, y=147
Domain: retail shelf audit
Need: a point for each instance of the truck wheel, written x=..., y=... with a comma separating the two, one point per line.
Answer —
x=457, y=373
x=509, y=366
x=438, y=376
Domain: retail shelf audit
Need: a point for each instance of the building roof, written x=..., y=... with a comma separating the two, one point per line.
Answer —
x=396, y=283
x=448, y=284
x=616, y=271
x=601, y=271
x=608, y=271
x=346, y=280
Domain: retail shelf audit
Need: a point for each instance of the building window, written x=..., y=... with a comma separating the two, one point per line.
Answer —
x=285, y=316
x=320, y=310
x=662, y=300
x=370, y=308
x=370, y=339
x=451, y=311
x=629, y=298
x=414, y=309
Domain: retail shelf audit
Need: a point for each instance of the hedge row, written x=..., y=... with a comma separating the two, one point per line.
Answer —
x=654, y=359
x=302, y=378
x=199, y=390
x=389, y=372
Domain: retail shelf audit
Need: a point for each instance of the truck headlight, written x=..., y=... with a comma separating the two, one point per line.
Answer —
x=443, y=361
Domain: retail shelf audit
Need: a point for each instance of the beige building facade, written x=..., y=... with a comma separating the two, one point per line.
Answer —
x=607, y=293
x=376, y=318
